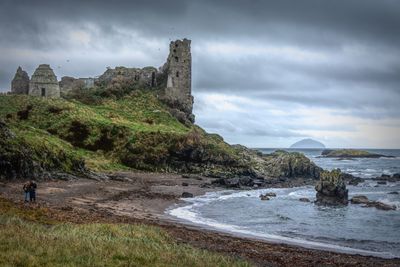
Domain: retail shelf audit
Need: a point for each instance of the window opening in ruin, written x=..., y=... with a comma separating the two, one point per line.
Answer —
x=177, y=74
x=43, y=92
x=153, y=79
x=176, y=59
x=174, y=50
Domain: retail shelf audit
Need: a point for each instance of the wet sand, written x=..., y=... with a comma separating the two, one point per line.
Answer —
x=143, y=198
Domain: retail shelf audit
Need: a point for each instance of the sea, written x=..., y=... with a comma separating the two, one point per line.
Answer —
x=349, y=229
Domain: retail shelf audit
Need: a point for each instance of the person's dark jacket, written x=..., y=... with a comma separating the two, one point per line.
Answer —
x=33, y=187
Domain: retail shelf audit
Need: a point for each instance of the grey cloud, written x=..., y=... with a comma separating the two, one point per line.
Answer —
x=366, y=86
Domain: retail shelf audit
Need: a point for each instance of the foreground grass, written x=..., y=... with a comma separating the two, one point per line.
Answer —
x=28, y=240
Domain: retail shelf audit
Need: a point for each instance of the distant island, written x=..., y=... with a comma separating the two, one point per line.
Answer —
x=350, y=153
x=308, y=143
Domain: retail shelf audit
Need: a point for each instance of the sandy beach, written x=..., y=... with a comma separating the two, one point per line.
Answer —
x=144, y=197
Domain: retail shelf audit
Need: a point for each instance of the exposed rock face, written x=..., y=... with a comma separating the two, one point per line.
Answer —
x=331, y=189
x=20, y=83
x=20, y=159
x=253, y=169
x=290, y=164
x=44, y=82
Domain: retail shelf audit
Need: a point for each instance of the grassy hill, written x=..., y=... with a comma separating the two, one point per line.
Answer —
x=135, y=131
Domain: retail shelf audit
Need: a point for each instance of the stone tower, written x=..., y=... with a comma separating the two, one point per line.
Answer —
x=20, y=83
x=44, y=82
x=179, y=71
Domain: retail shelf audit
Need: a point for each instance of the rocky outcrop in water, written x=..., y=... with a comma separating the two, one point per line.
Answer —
x=350, y=153
x=387, y=178
x=360, y=199
x=331, y=189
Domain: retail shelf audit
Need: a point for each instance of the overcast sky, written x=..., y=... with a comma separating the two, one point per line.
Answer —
x=265, y=73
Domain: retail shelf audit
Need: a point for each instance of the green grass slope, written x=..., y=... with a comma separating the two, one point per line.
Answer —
x=135, y=131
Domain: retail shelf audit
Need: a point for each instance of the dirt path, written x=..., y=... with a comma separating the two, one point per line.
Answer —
x=143, y=198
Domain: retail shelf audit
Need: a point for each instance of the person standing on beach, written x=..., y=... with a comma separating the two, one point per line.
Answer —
x=32, y=191
x=27, y=188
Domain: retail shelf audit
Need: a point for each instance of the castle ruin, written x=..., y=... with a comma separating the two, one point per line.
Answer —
x=173, y=78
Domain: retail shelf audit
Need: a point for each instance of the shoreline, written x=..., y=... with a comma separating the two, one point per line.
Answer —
x=236, y=231
x=144, y=197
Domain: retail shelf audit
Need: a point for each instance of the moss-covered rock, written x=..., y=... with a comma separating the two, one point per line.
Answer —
x=331, y=188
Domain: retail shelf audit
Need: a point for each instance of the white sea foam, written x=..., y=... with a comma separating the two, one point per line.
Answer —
x=188, y=213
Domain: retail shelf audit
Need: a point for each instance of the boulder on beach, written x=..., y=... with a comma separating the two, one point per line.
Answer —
x=187, y=195
x=304, y=199
x=270, y=194
x=331, y=189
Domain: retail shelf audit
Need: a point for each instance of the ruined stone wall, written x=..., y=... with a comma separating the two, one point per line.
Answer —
x=146, y=77
x=67, y=83
x=44, y=82
x=20, y=83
